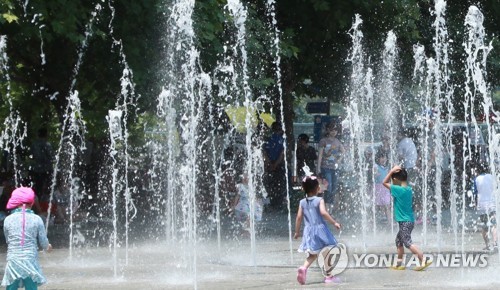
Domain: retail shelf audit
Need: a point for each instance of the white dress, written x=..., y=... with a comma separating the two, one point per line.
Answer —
x=242, y=209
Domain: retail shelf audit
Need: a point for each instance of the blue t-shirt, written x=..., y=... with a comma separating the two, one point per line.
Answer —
x=403, y=203
x=274, y=146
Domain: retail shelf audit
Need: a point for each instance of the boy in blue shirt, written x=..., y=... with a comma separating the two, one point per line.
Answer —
x=403, y=213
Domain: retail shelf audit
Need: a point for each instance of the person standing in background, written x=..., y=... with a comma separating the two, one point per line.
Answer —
x=274, y=160
x=330, y=156
x=306, y=155
x=407, y=157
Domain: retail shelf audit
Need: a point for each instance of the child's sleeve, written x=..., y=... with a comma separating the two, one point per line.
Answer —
x=393, y=190
x=43, y=241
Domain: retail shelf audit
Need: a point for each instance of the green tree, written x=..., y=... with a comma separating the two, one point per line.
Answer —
x=45, y=41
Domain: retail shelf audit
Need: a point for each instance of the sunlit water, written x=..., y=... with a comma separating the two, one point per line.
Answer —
x=186, y=248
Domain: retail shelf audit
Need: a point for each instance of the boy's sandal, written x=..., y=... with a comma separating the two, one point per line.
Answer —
x=425, y=265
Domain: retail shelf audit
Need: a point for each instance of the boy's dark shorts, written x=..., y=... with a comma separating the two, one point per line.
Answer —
x=403, y=238
x=484, y=219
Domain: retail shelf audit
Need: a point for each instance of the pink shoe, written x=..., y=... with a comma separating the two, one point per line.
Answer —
x=301, y=275
x=332, y=279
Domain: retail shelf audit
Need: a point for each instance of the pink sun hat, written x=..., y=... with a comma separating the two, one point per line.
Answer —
x=20, y=196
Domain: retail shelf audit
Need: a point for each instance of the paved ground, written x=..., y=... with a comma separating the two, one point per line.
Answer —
x=271, y=264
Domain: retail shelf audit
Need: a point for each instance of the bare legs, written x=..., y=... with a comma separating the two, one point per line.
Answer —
x=493, y=232
x=414, y=249
x=485, y=238
x=309, y=260
x=417, y=252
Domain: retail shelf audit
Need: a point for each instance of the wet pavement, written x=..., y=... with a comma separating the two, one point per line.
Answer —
x=270, y=264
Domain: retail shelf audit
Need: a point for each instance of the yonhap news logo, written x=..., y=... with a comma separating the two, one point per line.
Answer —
x=334, y=260
x=441, y=260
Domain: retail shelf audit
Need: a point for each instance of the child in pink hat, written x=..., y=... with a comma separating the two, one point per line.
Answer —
x=23, y=230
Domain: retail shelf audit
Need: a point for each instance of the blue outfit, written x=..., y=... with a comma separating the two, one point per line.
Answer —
x=275, y=146
x=331, y=176
x=22, y=260
x=316, y=234
x=275, y=180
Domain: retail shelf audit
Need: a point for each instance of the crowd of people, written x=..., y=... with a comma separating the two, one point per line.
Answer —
x=326, y=160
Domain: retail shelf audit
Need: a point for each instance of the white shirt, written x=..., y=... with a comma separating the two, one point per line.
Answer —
x=485, y=186
x=407, y=151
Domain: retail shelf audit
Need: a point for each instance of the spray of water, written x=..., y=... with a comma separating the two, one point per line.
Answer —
x=182, y=101
x=370, y=161
x=271, y=11
x=15, y=131
x=354, y=118
x=443, y=90
x=182, y=111
x=476, y=86
x=72, y=142
x=128, y=99
x=239, y=13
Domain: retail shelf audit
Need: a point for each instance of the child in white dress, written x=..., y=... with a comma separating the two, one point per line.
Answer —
x=243, y=202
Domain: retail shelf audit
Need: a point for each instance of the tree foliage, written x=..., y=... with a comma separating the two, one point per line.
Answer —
x=46, y=39
x=318, y=28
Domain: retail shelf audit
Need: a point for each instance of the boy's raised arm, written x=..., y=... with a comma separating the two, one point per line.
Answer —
x=387, y=179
